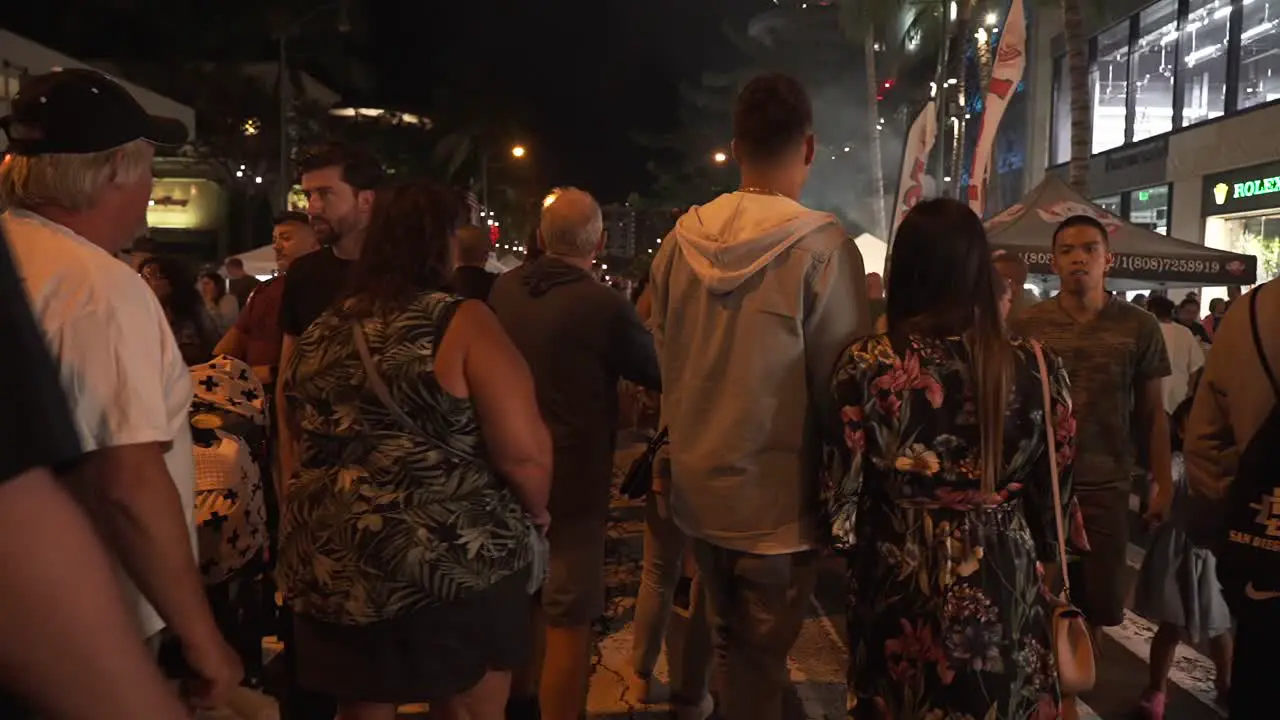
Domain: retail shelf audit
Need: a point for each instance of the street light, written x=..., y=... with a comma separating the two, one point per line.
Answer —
x=991, y=19
x=720, y=157
x=517, y=151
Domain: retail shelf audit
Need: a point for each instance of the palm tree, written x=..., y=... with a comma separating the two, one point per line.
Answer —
x=864, y=23
x=1078, y=75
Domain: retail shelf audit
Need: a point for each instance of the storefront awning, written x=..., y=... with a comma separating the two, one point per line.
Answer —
x=1142, y=257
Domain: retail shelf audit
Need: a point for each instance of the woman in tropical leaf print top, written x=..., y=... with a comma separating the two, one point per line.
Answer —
x=948, y=615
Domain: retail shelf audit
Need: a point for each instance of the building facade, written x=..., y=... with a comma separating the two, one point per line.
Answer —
x=1184, y=108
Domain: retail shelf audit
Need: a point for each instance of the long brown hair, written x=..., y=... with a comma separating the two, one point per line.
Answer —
x=406, y=247
x=942, y=284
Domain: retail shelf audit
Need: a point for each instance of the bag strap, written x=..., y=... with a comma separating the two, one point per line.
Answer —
x=1051, y=447
x=384, y=394
x=1257, y=342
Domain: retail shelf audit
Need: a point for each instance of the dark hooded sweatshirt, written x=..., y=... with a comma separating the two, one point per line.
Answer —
x=579, y=338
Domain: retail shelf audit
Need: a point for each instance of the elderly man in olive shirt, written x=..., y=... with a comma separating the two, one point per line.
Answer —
x=1115, y=355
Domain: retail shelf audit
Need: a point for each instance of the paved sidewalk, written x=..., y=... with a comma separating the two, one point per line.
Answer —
x=817, y=662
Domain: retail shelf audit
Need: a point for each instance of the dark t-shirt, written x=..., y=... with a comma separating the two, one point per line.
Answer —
x=579, y=337
x=472, y=283
x=316, y=280
x=1109, y=359
x=35, y=423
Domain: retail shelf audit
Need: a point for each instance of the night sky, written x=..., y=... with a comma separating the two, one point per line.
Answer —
x=571, y=79
x=579, y=76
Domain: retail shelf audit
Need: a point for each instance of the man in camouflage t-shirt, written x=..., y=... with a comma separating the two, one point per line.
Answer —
x=1115, y=355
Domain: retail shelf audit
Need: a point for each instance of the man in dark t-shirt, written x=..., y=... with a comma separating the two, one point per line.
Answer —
x=315, y=283
x=240, y=283
x=339, y=182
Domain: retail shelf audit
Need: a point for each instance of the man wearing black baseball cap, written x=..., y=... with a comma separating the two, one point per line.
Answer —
x=79, y=110
x=76, y=181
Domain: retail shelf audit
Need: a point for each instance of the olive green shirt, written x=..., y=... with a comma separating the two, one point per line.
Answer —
x=1108, y=359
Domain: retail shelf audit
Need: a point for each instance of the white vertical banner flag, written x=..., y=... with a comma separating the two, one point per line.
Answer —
x=1011, y=61
x=915, y=159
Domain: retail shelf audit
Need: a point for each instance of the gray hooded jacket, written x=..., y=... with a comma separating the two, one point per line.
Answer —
x=754, y=299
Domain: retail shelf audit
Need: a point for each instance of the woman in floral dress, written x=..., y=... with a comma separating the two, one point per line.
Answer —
x=948, y=617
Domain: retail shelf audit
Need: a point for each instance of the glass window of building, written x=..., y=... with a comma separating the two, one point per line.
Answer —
x=1151, y=68
x=1149, y=208
x=1110, y=203
x=1204, y=60
x=1109, y=78
x=1259, y=54
x=1256, y=234
x=1060, y=143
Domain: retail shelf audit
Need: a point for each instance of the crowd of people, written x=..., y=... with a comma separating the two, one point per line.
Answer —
x=439, y=459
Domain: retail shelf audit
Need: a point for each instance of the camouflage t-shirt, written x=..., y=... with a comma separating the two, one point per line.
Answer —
x=1108, y=359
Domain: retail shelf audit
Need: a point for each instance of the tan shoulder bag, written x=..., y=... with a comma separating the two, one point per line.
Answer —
x=1072, y=641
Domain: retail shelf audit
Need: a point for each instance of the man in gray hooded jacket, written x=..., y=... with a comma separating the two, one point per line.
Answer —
x=754, y=299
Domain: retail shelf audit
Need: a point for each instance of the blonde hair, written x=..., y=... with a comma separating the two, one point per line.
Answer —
x=68, y=180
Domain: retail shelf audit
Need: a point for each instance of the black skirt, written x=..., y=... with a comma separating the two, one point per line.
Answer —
x=430, y=655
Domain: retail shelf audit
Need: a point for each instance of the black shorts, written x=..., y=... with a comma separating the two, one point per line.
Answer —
x=429, y=655
x=1098, y=578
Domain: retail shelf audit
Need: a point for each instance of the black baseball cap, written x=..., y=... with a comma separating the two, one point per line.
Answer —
x=78, y=111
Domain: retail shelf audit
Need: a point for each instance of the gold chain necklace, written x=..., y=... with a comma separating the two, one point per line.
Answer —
x=759, y=191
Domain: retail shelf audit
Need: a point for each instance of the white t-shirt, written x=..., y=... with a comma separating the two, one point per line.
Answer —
x=120, y=366
x=1185, y=357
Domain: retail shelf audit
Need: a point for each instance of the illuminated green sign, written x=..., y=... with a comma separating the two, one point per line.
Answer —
x=1259, y=186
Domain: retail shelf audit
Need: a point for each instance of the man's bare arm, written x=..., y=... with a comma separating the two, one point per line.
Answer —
x=233, y=344
x=129, y=494
x=1154, y=421
x=67, y=643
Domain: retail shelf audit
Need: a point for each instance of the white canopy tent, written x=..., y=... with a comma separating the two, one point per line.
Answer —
x=874, y=252
x=259, y=262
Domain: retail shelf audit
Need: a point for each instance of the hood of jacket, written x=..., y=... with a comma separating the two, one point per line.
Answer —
x=548, y=272
x=736, y=235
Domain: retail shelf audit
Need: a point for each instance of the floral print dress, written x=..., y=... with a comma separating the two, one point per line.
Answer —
x=947, y=616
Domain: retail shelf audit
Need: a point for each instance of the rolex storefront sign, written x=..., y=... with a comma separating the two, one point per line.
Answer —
x=1244, y=190
x=1241, y=210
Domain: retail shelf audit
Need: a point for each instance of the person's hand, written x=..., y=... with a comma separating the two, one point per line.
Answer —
x=217, y=670
x=1158, y=503
x=541, y=520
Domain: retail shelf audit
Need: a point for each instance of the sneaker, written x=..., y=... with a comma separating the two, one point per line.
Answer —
x=701, y=711
x=1151, y=707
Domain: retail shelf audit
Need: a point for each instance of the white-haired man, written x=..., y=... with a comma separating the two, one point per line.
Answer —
x=76, y=181
x=579, y=338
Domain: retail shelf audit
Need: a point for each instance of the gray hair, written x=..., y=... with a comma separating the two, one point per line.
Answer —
x=68, y=180
x=572, y=223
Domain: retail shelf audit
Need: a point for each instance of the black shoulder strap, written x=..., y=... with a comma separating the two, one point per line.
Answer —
x=1257, y=341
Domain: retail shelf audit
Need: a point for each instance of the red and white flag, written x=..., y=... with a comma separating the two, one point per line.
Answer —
x=1011, y=61
x=915, y=159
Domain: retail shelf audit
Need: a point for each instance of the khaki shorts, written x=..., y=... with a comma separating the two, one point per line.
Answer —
x=573, y=594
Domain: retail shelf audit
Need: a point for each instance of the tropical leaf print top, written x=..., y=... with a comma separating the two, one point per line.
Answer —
x=383, y=519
